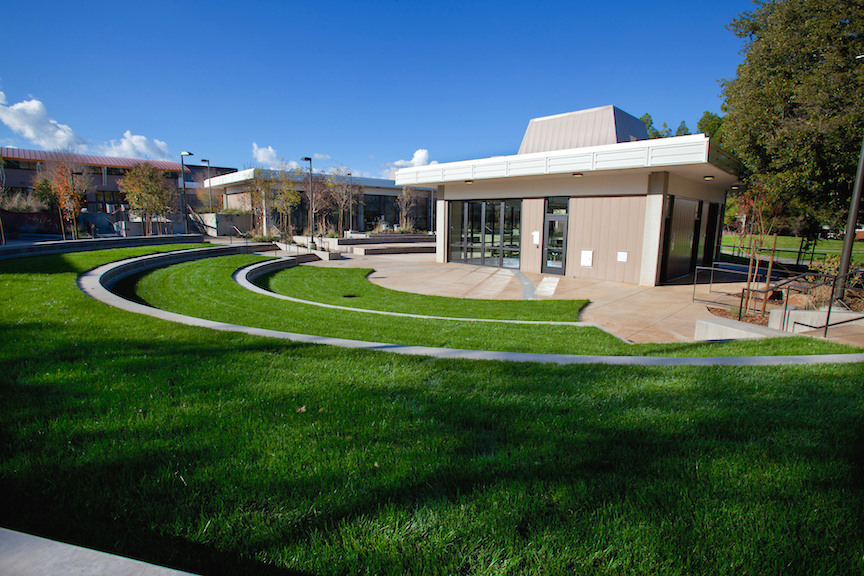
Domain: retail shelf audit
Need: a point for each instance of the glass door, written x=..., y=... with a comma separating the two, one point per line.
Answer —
x=555, y=244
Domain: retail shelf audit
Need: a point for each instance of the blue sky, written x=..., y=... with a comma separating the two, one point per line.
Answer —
x=366, y=85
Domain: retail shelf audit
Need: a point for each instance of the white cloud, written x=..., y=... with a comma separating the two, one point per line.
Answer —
x=317, y=156
x=420, y=158
x=266, y=156
x=137, y=146
x=30, y=119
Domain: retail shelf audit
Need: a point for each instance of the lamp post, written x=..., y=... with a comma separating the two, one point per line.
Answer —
x=350, y=202
x=851, y=225
x=183, y=180
x=311, y=201
x=209, y=185
x=852, y=222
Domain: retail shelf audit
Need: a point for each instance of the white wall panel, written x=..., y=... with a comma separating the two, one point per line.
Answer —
x=620, y=159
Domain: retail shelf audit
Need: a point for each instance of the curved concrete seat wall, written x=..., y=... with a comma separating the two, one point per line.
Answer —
x=150, y=261
x=271, y=266
x=64, y=246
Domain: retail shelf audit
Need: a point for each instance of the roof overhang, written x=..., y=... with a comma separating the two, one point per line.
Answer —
x=243, y=177
x=686, y=154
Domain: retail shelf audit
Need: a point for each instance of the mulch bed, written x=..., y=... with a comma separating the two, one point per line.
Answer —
x=749, y=318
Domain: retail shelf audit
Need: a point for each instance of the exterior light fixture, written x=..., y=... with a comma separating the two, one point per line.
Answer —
x=708, y=178
x=311, y=211
x=469, y=181
x=350, y=202
x=183, y=180
x=735, y=187
x=577, y=174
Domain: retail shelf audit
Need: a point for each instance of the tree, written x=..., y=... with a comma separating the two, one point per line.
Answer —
x=406, y=202
x=68, y=188
x=682, y=129
x=794, y=110
x=2, y=194
x=653, y=132
x=340, y=194
x=148, y=191
x=286, y=196
x=710, y=124
x=318, y=198
x=259, y=194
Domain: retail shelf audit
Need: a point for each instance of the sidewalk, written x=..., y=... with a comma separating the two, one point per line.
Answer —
x=25, y=555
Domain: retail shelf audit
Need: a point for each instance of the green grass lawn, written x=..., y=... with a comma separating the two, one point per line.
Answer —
x=788, y=246
x=222, y=453
x=206, y=289
x=349, y=287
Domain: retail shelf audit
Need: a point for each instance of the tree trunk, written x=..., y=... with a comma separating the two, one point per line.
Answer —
x=62, y=229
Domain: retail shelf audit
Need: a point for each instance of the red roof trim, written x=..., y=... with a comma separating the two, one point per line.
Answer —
x=86, y=159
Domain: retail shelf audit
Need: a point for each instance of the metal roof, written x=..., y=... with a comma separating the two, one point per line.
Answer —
x=85, y=159
x=581, y=129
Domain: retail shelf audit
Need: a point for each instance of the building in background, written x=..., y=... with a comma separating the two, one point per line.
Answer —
x=587, y=196
x=375, y=199
x=22, y=168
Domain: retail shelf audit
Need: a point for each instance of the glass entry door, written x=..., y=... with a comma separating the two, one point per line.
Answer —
x=555, y=244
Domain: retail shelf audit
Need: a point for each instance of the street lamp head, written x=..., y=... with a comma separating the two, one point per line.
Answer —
x=204, y=160
x=185, y=153
x=305, y=159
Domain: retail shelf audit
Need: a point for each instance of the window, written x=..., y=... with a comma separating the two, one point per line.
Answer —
x=20, y=165
x=557, y=204
x=487, y=233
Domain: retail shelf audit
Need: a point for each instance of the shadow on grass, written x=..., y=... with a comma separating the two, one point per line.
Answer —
x=224, y=453
x=140, y=446
x=51, y=264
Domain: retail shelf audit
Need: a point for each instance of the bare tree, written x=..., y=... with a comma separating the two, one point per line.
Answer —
x=260, y=193
x=340, y=194
x=406, y=201
x=286, y=196
x=320, y=203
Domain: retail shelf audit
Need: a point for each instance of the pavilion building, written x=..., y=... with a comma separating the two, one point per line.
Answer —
x=588, y=195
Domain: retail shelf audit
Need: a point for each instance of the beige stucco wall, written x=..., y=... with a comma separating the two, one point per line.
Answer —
x=533, y=214
x=237, y=202
x=695, y=189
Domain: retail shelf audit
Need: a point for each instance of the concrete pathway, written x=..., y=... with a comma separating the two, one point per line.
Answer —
x=26, y=555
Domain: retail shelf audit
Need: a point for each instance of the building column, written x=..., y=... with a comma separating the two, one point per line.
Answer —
x=652, y=239
x=441, y=228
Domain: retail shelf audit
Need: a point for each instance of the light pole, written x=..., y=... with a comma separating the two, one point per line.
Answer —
x=350, y=202
x=311, y=201
x=852, y=222
x=851, y=225
x=183, y=180
x=209, y=185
